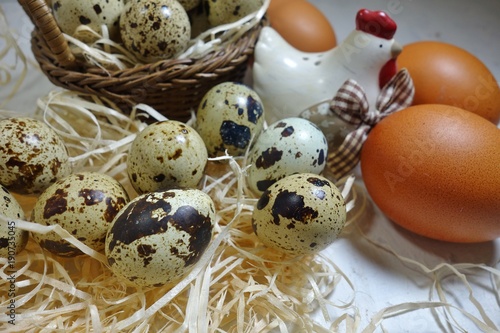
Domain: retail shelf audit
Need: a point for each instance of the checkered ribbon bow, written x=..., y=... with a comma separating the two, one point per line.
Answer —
x=351, y=105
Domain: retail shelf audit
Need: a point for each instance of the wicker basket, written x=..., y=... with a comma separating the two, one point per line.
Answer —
x=173, y=87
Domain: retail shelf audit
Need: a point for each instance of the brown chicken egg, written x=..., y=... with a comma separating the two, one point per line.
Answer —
x=447, y=74
x=435, y=170
x=302, y=25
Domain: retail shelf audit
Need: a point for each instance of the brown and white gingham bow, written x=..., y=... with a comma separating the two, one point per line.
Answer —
x=351, y=105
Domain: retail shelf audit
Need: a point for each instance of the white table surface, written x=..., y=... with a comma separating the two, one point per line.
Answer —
x=380, y=279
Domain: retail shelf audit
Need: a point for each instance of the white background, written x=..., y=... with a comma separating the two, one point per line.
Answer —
x=380, y=279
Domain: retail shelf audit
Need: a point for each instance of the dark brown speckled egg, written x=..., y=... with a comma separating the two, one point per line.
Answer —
x=223, y=11
x=166, y=154
x=288, y=146
x=228, y=117
x=70, y=14
x=12, y=239
x=158, y=237
x=155, y=29
x=32, y=155
x=84, y=204
x=299, y=214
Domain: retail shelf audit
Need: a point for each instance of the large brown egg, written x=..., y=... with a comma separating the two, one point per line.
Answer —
x=302, y=25
x=435, y=170
x=447, y=74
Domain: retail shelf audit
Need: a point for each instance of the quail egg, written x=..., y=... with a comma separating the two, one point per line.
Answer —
x=70, y=14
x=32, y=155
x=12, y=239
x=155, y=29
x=166, y=155
x=228, y=116
x=291, y=145
x=84, y=204
x=223, y=11
x=159, y=236
x=299, y=214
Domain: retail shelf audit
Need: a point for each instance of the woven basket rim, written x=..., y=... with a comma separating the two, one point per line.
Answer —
x=242, y=47
x=244, y=44
x=172, y=86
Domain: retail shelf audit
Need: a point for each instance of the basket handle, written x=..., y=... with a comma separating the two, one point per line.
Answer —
x=41, y=16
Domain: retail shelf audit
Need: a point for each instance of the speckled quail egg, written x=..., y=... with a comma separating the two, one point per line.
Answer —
x=228, y=116
x=299, y=214
x=291, y=145
x=70, y=14
x=12, y=239
x=32, y=155
x=223, y=11
x=159, y=236
x=166, y=154
x=155, y=29
x=84, y=204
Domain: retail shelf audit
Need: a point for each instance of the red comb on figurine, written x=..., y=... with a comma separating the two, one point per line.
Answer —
x=376, y=23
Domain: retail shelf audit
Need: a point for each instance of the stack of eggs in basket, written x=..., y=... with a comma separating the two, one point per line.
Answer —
x=155, y=236
x=150, y=30
x=409, y=162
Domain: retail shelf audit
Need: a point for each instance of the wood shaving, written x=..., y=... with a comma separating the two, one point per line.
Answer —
x=237, y=286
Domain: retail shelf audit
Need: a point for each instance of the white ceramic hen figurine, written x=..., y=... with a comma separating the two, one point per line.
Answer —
x=289, y=81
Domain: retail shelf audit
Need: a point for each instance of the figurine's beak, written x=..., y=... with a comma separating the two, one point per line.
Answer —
x=396, y=50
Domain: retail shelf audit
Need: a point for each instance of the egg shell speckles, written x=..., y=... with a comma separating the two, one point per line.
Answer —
x=228, y=116
x=291, y=145
x=70, y=14
x=32, y=156
x=159, y=236
x=84, y=204
x=155, y=30
x=223, y=11
x=12, y=239
x=299, y=214
x=167, y=154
